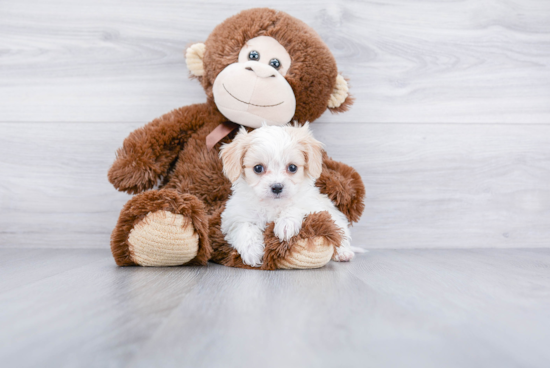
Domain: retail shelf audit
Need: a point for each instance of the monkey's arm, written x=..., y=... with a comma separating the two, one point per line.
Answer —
x=343, y=185
x=148, y=152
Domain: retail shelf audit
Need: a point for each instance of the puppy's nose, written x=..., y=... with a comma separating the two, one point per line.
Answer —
x=277, y=188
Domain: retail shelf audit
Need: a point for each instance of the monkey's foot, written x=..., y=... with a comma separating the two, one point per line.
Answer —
x=313, y=247
x=161, y=228
x=163, y=239
x=308, y=253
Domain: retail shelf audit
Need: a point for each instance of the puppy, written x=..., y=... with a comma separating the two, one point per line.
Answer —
x=273, y=170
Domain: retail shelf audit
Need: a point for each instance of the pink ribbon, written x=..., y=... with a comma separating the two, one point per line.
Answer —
x=219, y=133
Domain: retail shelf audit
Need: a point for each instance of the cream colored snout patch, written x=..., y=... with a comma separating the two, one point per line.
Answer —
x=250, y=93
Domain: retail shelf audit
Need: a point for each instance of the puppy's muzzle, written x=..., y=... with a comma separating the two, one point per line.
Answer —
x=277, y=188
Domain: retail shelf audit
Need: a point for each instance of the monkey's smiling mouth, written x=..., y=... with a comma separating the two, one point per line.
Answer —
x=249, y=103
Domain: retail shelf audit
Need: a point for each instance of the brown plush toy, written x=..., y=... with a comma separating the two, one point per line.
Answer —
x=259, y=65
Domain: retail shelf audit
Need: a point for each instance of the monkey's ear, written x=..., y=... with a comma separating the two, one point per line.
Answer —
x=340, y=100
x=193, y=59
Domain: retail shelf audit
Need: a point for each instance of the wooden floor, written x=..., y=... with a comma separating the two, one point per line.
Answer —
x=388, y=308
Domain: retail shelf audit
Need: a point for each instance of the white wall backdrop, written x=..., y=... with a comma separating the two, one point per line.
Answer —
x=450, y=130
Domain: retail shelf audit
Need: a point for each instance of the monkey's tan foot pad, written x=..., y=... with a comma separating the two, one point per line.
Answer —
x=163, y=239
x=308, y=253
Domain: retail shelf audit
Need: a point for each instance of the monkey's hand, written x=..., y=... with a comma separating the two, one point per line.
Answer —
x=132, y=175
x=343, y=185
x=148, y=152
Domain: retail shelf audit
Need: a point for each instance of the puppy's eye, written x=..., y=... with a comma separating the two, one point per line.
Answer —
x=275, y=63
x=254, y=55
x=258, y=169
x=292, y=168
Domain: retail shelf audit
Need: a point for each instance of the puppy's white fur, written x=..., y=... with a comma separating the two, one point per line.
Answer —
x=253, y=204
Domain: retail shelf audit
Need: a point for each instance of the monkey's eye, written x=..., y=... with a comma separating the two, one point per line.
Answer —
x=275, y=63
x=258, y=169
x=254, y=55
x=292, y=168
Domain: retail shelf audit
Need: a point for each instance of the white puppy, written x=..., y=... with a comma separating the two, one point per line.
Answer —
x=273, y=170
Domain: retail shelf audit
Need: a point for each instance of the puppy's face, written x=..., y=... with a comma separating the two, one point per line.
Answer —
x=274, y=161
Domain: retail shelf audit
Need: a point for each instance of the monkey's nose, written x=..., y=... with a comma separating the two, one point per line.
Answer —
x=261, y=70
x=277, y=188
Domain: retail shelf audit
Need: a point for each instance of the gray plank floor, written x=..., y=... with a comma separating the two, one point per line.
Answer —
x=387, y=308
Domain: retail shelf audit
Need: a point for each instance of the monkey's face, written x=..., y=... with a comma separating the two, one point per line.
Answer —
x=254, y=90
x=264, y=65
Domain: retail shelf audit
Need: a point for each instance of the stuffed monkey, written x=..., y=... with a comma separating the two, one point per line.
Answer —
x=260, y=65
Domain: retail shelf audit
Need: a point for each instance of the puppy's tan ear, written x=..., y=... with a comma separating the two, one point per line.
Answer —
x=340, y=99
x=313, y=151
x=232, y=155
x=193, y=58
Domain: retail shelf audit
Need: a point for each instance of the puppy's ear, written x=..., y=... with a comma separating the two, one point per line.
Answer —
x=232, y=155
x=313, y=151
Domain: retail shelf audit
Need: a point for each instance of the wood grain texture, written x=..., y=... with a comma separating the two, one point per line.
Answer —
x=428, y=185
x=450, y=185
x=387, y=308
x=54, y=190
x=481, y=61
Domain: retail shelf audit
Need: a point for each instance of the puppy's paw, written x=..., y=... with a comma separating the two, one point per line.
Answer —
x=252, y=255
x=287, y=227
x=343, y=254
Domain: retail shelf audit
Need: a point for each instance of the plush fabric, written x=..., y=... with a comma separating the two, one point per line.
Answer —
x=313, y=65
x=257, y=94
x=163, y=239
x=339, y=94
x=269, y=48
x=170, y=154
x=193, y=59
x=137, y=214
